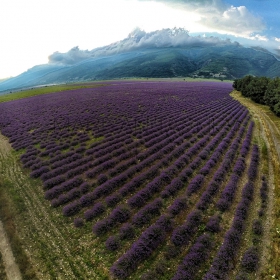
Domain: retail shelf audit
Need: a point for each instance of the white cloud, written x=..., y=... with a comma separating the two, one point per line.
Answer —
x=234, y=20
x=217, y=16
x=277, y=39
x=30, y=30
x=260, y=38
x=176, y=37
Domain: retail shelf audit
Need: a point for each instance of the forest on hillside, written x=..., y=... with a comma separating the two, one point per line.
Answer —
x=262, y=90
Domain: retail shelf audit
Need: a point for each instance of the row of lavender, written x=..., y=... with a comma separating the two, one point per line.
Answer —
x=183, y=235
x=135, y=153
x=62, y=166
x=168, y=183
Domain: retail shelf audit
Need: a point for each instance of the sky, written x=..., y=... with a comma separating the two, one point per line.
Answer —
x=32, y=30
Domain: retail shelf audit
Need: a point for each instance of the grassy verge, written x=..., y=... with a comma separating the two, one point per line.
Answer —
x=44, y=90
x=269, y=152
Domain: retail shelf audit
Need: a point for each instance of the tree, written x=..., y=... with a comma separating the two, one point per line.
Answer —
x=258, y=87
x=242, y=84
x=272, y=94
x=261, y=90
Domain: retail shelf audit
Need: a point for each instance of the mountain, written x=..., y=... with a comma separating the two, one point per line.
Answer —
x=160, y=54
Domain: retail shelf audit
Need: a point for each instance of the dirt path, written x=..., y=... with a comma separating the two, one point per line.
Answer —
x=11, y=268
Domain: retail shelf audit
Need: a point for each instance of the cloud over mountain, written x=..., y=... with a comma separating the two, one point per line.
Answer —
x=71, y=57
x=138, y=39
x=159, y=54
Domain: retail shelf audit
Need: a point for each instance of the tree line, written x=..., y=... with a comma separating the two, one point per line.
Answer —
x=262, y=90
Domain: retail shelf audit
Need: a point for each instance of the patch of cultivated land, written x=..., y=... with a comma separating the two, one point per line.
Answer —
x=139, y=180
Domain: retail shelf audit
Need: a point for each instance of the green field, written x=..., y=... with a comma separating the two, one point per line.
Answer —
x=44, y=90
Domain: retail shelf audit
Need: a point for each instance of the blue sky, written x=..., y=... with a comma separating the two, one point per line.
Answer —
x=32, y=30
x=268, y=10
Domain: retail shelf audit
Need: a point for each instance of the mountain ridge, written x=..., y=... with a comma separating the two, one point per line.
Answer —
x=160, y=54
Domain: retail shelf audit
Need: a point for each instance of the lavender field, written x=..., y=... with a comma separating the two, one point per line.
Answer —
x=165, y=174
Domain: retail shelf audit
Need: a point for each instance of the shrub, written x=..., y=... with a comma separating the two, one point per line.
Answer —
x=196, y=256
x=195, y=184
x=112, y=243
x=113, y=199
x=263, y=191
x=185, y=174
x=84, y=187
x=182, y=235
x=223, y=204
x=145, y=215
x=250, y=259
x=178, y=205
x=127, y=231
x=213, y=224
x=78, y=222
x=38, y=172
x=101, y=227
x=95, y=211
x=149, y=240
x=120, y=214
x=257, y=227
x=175, y=185
x=50, y=183
x=71, y=209
x=204, y=201
x=88, y=199
x=239, y=166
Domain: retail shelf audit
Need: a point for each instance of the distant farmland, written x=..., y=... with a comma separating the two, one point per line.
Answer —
x=137, y=180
